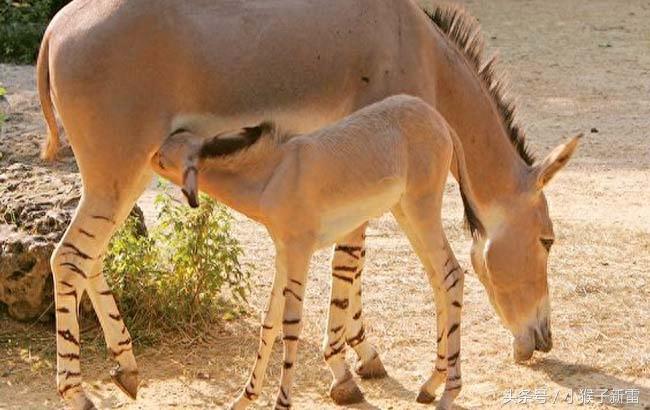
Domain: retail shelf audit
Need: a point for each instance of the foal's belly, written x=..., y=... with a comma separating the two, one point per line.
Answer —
x=340, y=220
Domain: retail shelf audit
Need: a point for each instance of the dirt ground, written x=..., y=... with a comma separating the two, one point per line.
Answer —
x=579, y=65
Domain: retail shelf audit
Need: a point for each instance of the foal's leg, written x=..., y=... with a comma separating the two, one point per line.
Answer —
x=347, y=264
x=296, y=258
x=347, y=267
x=423, y=221
x=439, y=372
x=287, y=265
x=77, y=268
x=369, y=365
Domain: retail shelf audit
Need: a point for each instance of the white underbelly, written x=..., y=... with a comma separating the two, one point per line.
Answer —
x=340, y=221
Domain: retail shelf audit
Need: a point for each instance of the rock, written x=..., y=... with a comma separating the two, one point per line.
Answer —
x=25, y=284
x=36, y=207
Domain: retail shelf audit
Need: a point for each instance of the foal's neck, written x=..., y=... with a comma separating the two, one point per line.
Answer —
x=239, y=183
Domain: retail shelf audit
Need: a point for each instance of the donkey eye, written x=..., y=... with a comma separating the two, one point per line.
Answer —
x=547, y=243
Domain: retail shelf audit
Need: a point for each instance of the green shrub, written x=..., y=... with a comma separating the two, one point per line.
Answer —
x=183, y=275
x=22, y=24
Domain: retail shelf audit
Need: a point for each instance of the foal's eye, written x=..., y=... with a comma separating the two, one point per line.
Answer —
x=547, y=243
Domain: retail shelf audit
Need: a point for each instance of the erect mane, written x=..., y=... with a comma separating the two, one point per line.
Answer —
x=464, y=31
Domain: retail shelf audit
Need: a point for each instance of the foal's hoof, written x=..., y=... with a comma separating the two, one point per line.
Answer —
x=425, y=398
x=346, y=392
x=76, y=399
x=127, y=381
x=82, y=403
x=374, y=369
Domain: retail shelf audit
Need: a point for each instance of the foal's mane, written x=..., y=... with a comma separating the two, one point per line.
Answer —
x=464, y=31
x=246, y=149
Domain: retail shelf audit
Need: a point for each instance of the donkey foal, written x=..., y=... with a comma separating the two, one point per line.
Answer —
x=311, y=191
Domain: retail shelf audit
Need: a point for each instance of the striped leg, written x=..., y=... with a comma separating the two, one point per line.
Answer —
x=117, y=336
x=77, y=268
x=369, y=364
x=346, y=265
x=285, y=263
x=292, y=320
x=422, y=224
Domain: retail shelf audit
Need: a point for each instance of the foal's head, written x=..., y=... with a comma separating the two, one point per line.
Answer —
x=183, y=153
x=511, y=261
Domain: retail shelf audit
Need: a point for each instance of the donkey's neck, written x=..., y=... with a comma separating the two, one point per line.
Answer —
x=494, y=166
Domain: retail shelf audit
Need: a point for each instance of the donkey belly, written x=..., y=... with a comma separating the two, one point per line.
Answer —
x=340, y=220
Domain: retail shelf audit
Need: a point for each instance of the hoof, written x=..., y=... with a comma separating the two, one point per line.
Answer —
x=374, y=369
x=80, y=402
x=346, y=392
x=127, y=381
x=425, y=398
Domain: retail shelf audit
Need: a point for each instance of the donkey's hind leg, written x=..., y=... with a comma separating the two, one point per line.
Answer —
x=77, y=268
x=421, y=220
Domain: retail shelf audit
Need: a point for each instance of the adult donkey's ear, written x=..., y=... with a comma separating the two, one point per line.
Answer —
x=544, y=171
x=191, y=180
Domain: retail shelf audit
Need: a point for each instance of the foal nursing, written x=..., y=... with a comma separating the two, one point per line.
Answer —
x=312, y=190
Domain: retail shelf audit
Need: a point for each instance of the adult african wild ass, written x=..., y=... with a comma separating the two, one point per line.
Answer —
x=125, y=74
x=311, y=190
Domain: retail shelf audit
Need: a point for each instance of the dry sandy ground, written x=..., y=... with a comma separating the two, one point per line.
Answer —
x=575, y=65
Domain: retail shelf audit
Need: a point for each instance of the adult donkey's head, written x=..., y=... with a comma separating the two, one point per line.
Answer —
x=511, y=258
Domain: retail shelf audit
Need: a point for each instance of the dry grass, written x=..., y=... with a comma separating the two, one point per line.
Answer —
x=568, y=80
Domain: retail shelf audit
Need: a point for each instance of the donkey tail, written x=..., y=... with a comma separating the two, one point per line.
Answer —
x=466, y=192
x=53, y=141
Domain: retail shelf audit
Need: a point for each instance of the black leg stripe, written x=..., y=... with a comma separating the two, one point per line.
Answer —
x=74, y=268
x=65, y=388
x=357, y=315
x=76, y=251
x=288, y=365
x=451, y=272
x=291, y=321
x=453, y=284
x=116, y=316
x=336, y=329
x=290, y=338
x=360, y=337
x=64, y=283
x=456, y=304
x=350, y=250
x=453, y=328
x=292, y=293
x=103, y=218
x=124, y=342
x=69, y=356
x=343, y=278
x=68, y=336
x=345, y=268
x=86, y=233
x=340, y=303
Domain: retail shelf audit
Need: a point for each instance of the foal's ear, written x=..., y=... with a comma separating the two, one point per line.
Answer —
x=190, y=181
x=544, y=171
